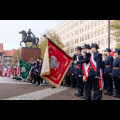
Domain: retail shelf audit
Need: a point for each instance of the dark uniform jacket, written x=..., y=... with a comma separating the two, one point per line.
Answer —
x=116, y=67
x=72, y=69
x=39, y=69
x=77, y=70
x=108, y=65
x=98, y=60
x=86, y=59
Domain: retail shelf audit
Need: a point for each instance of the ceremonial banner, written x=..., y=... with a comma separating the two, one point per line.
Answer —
x=23, y=69
x=55, y=64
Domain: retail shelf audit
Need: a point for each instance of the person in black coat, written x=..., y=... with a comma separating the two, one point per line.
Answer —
x=107, y=72
x=116, y=72
x=94, y=74
x=103, y=68
x=34, y=73
x=68, y=78
x=86, y=60
x=78, y=72
x=72, y=75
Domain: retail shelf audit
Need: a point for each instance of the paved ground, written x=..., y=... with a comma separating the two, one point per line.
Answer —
x=11, y=89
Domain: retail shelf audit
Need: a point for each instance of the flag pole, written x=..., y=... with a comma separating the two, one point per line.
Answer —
x=109, y=34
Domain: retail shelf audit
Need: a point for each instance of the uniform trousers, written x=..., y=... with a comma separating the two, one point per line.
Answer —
x=117, y=85
x=79, y=85
x=109, y=83
x=96, y=89
x=87, y=88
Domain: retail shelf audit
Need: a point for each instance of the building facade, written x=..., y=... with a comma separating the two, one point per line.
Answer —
x=5, y=57
x=75, y=33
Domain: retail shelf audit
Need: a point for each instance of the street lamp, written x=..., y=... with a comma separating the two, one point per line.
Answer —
x=109, y=34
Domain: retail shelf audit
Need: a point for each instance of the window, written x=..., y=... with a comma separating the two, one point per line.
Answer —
x=88, y=36
x=85, y=37
x=91, y=35
x=77, y=24
x=80, y=22
x=96, y=24
x=102, y=31
x=98, y=32
x=77, y=32
x=67, y=44
x=92, y=25
x=102, y=42
x=95, y=33
x=88, y=27
x=99, y=43
x=77, y=40
x=82, y=38
x=80, y=31
x=99, y=22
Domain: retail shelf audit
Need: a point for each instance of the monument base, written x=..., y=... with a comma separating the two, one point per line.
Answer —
x=30, y=54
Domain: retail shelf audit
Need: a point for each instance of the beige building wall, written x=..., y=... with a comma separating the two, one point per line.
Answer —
x=75, y=33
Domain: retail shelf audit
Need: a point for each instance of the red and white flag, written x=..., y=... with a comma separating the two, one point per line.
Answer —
x=18, y=73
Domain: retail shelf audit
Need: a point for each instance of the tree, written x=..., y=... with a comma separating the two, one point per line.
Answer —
x=15, y=58
x=54, y=38
x=115, y=27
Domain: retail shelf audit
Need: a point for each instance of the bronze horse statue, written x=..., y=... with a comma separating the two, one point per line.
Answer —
x=28, y=38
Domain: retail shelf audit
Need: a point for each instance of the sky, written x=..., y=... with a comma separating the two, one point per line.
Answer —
x=9, y=30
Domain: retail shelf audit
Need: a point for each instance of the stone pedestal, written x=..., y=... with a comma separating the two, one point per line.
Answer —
x=30, y=54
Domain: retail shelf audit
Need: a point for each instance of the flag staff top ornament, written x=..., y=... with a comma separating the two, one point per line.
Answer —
x=26, y=37
x=55, y=64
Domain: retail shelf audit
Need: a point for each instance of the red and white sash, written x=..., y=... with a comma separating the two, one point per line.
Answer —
x=94, y=65
x=86, y=70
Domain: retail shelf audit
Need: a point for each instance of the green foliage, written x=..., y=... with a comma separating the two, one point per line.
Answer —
x=54, y=38
x=115, y=27
x=15, y=58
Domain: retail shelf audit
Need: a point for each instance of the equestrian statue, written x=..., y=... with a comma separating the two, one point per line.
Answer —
x=26, y=37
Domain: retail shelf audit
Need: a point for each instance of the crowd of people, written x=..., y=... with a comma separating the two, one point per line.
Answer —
x=93, y=70
x=90, y=70
x=34, y=77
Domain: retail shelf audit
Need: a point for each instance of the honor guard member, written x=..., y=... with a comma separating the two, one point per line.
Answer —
x=72, y=75
x=95, y=67
x=78, y=72
x=86, y=67
x=116, y=72
x=103, y=68
x=107, y=72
